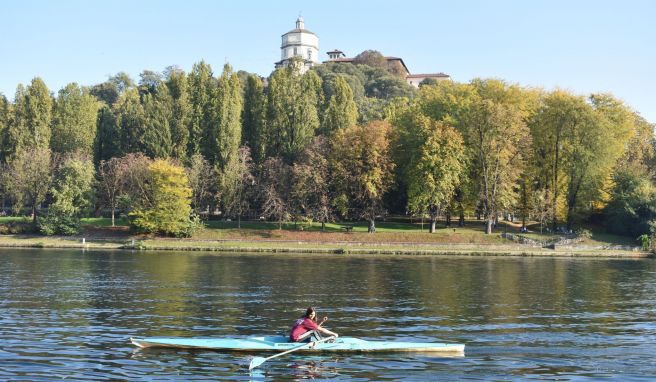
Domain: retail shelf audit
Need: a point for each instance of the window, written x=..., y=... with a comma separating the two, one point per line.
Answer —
x=309, y=54
x=295, y=51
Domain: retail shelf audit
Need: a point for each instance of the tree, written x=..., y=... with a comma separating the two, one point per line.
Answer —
x=130, y=119
x=30, y=175
x=227, y=120
x=341, y=111
x=5, y=117
x=436, y=166
x=274, y=188
x=292, y=112
x=371, y=58
x=201, y=94
x=71, y=193
x=180, y=116
x=107, y=142
x=577, y=145
x=109, y=183
x=32, y=117
x=254, y=118
x=363, y=169
x=135, y=185
x=498, y=137
x=200, y=174
x=156, y=140
x=74, y=121
x=311, y=183
x=236, y=182
x=168, y=208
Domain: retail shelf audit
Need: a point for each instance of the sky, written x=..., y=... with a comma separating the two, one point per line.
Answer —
x=578, y=45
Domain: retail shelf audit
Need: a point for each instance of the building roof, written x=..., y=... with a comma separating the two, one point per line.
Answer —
x=428, y=75
x=350, y=60
x=299, y=31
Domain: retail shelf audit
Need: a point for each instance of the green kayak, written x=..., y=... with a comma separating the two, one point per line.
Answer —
x=281, y=343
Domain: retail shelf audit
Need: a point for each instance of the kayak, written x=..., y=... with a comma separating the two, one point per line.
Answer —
x=281, y=343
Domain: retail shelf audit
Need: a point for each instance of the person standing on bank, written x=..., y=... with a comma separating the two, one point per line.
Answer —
x=307, y=325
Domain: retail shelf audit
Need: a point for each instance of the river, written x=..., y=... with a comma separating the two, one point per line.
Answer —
x=68, y=315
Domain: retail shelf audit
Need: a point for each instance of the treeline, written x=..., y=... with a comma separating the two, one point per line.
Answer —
x=342, y=141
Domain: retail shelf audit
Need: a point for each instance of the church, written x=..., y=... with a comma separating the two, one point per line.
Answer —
x=304, y=44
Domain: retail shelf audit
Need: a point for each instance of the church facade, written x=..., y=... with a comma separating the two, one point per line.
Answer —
x=304, y=45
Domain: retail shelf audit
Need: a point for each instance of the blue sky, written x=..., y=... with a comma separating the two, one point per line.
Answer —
x=582, y=46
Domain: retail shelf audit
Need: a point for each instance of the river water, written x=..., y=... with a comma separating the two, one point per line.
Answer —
x=68, y=315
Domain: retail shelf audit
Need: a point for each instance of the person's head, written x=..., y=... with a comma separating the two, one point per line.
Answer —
x=311, y=314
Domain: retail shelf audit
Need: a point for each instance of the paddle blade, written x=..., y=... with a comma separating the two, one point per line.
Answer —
x=255, y=362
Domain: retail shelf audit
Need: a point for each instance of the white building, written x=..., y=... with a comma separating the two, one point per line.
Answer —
x=302, y=43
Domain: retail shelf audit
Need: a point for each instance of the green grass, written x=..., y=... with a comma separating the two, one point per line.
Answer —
x=9, y=219
x=104, y=222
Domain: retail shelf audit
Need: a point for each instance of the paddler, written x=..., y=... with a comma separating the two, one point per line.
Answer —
x=306, y=326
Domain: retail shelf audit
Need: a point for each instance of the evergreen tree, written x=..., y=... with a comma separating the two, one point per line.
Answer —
x=75, y=117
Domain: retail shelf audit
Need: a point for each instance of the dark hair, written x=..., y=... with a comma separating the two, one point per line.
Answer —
x=309, y=311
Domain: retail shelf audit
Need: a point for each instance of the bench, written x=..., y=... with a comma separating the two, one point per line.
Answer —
x=346, y=228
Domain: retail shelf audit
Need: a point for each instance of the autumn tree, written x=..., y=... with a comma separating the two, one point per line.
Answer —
x=363, y=170
x=236, y=183
x=311, y=195
x=274, y=189
x=434, y=163
x=109, y=183
x=167, y=209
x=201, y=175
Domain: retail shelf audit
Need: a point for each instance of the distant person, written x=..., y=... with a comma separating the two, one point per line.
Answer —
x=306, y=326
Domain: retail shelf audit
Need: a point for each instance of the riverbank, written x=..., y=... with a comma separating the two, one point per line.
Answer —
x=285, y=246
x=391, y=238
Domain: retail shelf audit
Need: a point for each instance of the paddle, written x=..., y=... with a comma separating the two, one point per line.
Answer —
x=257, y=361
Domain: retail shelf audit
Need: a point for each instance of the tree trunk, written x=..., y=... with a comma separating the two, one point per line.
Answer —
x=448, y=218
x=238, y=221
x=323, y=226
x=461, y=219
x=372, y=226
x=433, y=222
x=34, y=213
x=488, y=226
x=113, y=213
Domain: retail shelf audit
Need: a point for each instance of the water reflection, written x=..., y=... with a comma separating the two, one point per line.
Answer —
x=68, y=314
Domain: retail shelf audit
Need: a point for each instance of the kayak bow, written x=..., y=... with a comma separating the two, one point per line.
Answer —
x=281, y=343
